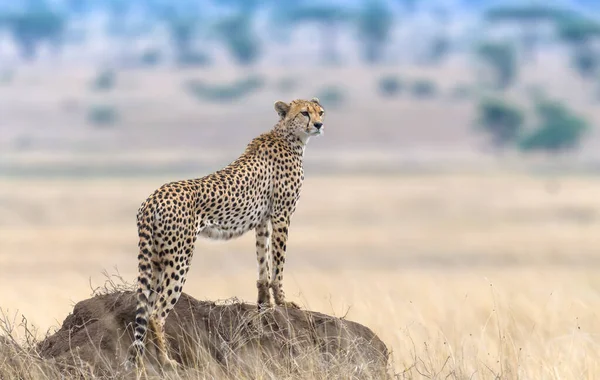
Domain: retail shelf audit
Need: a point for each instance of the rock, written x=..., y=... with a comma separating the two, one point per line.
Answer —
x=221, y=340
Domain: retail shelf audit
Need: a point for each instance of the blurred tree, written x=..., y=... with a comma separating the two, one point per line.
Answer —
x=500, y=57
x=586, y=62
x=439, y=49
x=183, y=21
x=150, y=57
x=181, y=31
x=502, y=121
x=423, y=88
x=529, y=18
x=440, y=44
x=374, y=25
x=239, y=37
x=105, y=80
x=581, y=34
x=559, y=129
x=329, y=19
x=228, y=93
x=34, y=26
x=390, y=85
x=236, y=30
x=332, y=96
x=102, y=115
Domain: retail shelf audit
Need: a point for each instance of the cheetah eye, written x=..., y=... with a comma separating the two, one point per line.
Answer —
x=304, y=113
x=321, y=113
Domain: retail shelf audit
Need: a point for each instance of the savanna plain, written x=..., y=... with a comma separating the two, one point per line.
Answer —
x=478, y=275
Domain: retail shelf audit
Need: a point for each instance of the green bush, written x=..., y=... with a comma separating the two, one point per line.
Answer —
x=559, y=129
x=224, y=93
x=576, y=30
x=586, y=62
x=423, y=88
x=502, y=59
x=502, y=121
x=104, y=81
x=390, y=86
x=102, y=115
x=150, y=57
x=579, y=33
x=331, y=97
x=194, y=59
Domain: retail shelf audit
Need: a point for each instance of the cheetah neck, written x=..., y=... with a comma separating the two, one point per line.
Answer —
x=297, y=143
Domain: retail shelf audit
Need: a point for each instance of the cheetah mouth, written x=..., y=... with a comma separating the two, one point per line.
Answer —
x=316, y=132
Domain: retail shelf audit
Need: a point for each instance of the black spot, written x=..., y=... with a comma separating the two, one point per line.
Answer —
x=141, y=321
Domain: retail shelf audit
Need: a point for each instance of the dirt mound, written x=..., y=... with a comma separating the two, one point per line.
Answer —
x=230, y=339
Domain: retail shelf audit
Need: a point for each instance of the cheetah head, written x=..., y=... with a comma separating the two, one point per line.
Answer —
x=303, y=118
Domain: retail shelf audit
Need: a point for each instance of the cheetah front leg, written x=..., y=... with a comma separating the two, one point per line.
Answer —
x=278, y=243
x=263, y=255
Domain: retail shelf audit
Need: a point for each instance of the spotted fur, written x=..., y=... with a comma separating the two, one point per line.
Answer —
x=257, y=191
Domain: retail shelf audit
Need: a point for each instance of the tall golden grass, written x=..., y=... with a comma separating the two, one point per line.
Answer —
x=463, y=276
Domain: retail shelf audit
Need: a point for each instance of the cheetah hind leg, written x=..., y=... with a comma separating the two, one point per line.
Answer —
x=162, y=352
x=135, y=362
x=171, y=287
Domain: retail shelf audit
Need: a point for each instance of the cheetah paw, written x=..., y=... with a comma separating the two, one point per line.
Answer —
x=170, y=364
x=289, y=305
x=264, y=306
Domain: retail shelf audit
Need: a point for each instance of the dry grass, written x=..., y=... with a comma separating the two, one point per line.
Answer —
x=465, y=276
x=240, y=343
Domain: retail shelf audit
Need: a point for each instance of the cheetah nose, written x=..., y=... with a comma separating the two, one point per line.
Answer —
x=318, y=125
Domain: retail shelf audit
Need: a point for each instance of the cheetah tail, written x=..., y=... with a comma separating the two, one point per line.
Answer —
x=144, y=290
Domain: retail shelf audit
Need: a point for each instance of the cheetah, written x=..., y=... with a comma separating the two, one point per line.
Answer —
x=257, y=191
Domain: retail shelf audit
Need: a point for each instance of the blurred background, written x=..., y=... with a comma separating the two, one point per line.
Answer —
x=451, y=204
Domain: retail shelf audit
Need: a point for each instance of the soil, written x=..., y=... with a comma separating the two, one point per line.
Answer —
x=232, y=337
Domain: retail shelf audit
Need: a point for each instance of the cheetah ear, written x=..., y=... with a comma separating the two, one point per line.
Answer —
x=282, y=108
x=316, y=100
